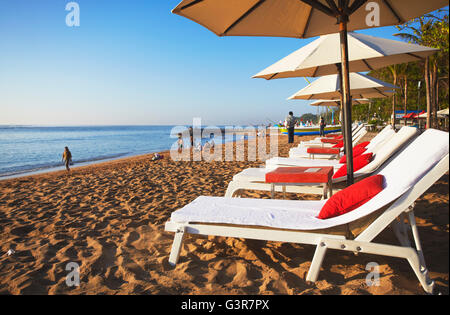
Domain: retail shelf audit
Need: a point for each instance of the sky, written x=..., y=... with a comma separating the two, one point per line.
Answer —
x=133, y=62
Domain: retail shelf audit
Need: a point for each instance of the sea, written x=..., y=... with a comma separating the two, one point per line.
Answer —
x=26, y=150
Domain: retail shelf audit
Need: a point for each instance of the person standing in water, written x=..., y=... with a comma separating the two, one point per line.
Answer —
x=180, y=142
x=322, y=127
x=191, y=136
x=290, y=125
x=67, y=158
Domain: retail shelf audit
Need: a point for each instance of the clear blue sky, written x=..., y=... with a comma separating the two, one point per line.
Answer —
x=134, y=62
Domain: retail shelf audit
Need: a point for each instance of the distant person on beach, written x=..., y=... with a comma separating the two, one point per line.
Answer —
x=290, y=125
x=67, y=158
x=191, y=135
x=322, y=127
x=211, y=141
x=180, y=143
x=198, y=146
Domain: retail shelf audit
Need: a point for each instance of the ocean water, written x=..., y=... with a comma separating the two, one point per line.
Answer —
x=26, y=149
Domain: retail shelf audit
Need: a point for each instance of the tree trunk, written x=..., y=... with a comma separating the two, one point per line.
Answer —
x=428, y=90
x=406, y=97
x=393, y=103
x=434, y=81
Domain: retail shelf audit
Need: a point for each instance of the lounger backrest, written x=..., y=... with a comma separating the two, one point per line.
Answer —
x=357, y=130
x=385, y=151
x=404, y=171
x=389, y=148
x=374, y=146
x=359, y=136
x=381, y=136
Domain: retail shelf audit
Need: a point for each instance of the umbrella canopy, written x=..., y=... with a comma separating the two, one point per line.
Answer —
x=337, y=103
x=443, y=112
x=329, y=87
x=365, y=53
x=306, y=18
x=295, y=18
x=409, y=116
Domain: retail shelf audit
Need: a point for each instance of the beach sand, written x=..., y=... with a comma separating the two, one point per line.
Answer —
x=109, y=218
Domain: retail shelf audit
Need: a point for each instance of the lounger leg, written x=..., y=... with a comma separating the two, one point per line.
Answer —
x=317, y=261
x=399, y=228
x=231, y=190
x=176, y=246
x=415, y=232
x=422, y=272
x=325, y=191
x=330, y=187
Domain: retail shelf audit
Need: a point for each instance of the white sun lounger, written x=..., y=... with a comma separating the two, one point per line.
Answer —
x=254, y=178
x=407, y=177
x=318, y=143
x=355, y=129
x=302, y=152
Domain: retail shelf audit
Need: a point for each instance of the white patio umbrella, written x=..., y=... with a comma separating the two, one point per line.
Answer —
x=337, y=103
x=365, y=53
x=299, y=18
x=303, y=19
x=323, y=56
x=443, y=112
x=329, y=87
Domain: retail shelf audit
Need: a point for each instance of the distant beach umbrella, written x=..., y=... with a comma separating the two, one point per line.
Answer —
x=329, y=87
x=443, y=112
x=365, y=53
x=303, y=19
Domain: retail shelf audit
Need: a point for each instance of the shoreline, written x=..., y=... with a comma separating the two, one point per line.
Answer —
x=77, y=166
x=84, y=166
x=58, y=169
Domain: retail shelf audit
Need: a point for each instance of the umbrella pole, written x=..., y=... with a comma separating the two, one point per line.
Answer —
x=341, y=93
x=346, y=99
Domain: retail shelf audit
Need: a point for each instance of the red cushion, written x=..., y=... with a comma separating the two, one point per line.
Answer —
x=362, y=144
x=330, y=140
x=314, y=150
x=357, y=151
x=299, y=175
x=339, y=145
x=352, y=197
x=358, y=163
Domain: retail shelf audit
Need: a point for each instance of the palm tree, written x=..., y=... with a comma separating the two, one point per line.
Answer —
x=431, y=31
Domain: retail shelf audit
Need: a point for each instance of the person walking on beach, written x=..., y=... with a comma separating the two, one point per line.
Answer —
x=180, y=143
x=322, y=127
x=191, y=136
x=67, y=158
x=290, y=125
